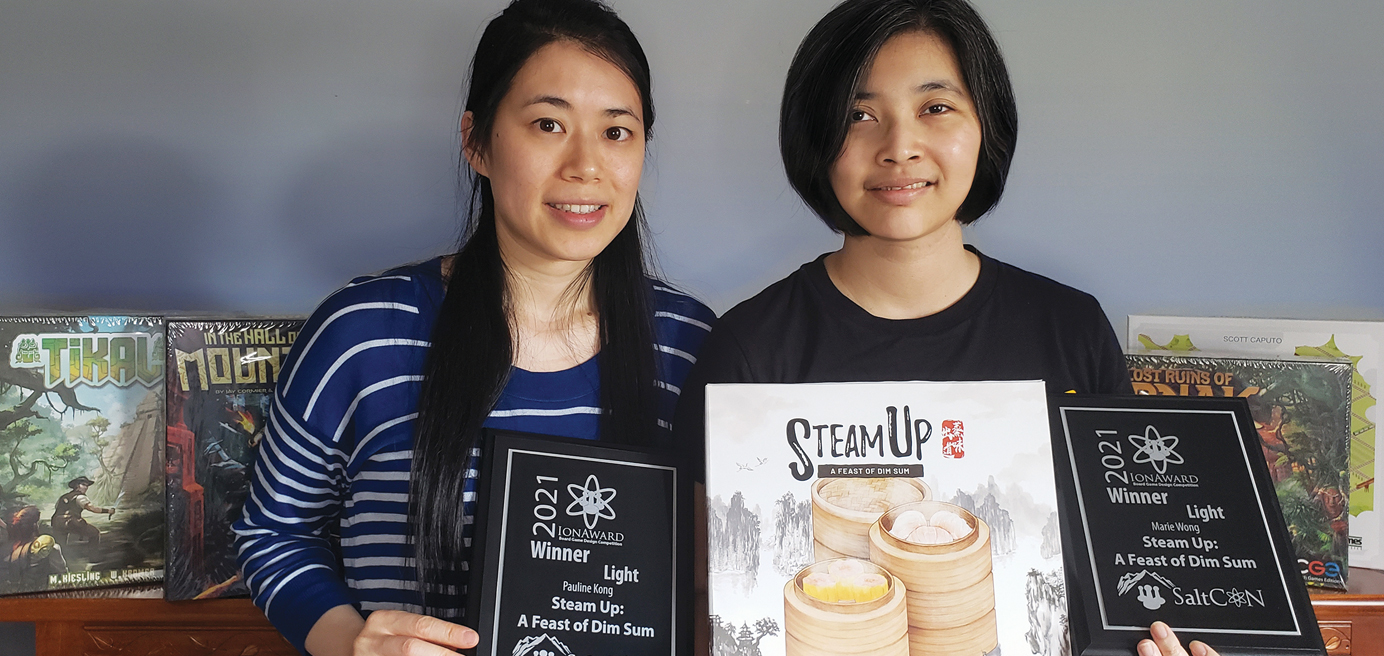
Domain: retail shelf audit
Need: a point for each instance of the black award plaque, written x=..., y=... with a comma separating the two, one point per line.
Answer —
x=575, y=550
x=1169, y=514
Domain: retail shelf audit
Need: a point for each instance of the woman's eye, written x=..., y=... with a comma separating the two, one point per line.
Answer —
x=936, y=109
x=618, y=134
x=549, y=125
x=859, y=115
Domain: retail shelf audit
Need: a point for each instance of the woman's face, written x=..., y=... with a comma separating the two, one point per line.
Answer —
x=911, y=150
x=565, y=155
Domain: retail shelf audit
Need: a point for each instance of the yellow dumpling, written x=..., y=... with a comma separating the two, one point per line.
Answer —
x=846, y=568
x=822, y=586
x=866, y=587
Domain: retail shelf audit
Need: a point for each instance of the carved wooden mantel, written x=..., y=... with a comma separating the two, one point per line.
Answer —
x=1352, y=622
x=146, y=627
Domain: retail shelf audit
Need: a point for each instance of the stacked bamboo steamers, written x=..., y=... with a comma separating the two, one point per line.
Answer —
x=897, y=574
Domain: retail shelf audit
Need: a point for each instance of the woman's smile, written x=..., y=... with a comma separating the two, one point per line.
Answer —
x=901, y=192
x=578, y=215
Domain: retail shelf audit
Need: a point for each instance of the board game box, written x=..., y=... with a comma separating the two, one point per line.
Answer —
x=1301, y=409
x=1360, y=341
x=883, y=518
x=221, y=377
x=81, y=430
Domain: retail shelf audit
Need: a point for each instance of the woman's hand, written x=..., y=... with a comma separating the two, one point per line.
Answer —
x=1165, y=643
x=397, y=633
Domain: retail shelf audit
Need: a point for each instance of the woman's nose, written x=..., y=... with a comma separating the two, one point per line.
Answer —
x=583, y=161
x=902, y=143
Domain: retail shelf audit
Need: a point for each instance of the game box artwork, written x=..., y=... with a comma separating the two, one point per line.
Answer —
x=81, y=433
x=1360, y=341
x=221, y=377
x=1301, y=409
x=905, y=519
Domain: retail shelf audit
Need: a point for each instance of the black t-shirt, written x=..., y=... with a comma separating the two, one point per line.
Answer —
x=1011, y=325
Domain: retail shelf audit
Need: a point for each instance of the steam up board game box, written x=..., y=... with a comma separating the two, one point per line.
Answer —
x=883, y=518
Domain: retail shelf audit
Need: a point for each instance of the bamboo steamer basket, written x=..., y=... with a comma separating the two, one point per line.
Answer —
x=972, y=639
x=843, y=509
x=813, y=627
x=950, y=586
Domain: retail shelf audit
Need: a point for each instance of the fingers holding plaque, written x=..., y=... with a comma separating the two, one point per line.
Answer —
x=1171, y=516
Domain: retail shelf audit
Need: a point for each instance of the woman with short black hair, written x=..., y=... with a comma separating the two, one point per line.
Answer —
x=817, y=98
x=897, y=127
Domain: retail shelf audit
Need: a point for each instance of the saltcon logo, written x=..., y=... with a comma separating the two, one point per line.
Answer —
x=93, y=359
x=541, y=645
x=1150, y=592
x=592, y=502
x=1155, y=449
x=1151, y=585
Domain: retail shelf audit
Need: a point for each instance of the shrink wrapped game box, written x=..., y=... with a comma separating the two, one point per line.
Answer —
x=221, y=377
x=1360, y=341
x=1301, y=410
x=81, y=429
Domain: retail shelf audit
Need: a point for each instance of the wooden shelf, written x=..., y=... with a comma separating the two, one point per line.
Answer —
x=136, y=627
x=1352, y=622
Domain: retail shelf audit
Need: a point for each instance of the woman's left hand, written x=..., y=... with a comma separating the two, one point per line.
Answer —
x=1165, y=643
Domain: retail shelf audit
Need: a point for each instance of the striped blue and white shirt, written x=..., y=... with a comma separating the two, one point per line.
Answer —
x=338, y=445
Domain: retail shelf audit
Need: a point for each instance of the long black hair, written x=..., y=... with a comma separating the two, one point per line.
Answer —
x=830, y=66
x=472, y=341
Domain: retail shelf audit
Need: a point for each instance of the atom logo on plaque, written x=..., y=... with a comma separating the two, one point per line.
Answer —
x=1155, y=449
x=591, y=502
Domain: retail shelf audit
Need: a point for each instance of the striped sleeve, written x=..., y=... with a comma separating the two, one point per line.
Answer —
x=363, y=343
x=681, y=324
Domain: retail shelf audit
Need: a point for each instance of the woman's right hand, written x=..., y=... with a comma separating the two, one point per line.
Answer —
x=398, y=633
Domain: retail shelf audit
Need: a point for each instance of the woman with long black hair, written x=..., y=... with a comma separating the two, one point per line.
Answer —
x=897, y=128
x=545, y=321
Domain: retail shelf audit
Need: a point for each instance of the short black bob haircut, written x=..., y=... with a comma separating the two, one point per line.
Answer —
x=829, y=67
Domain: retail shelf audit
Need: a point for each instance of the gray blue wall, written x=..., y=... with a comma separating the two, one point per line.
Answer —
x=250, y=156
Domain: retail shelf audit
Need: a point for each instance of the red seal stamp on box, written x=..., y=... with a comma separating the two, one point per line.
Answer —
x=953, y=439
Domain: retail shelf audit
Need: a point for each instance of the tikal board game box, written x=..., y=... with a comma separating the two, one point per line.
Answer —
x=81, y=426
x=1301, y=409
x=883, y=518
x=1361, y=341
x=221, y=377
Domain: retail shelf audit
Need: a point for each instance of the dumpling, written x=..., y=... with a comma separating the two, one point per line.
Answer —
x=846, y=569
x=952, y=522
x=906, y=522
x=866, y=587
x=821, y=586
x=930, y=535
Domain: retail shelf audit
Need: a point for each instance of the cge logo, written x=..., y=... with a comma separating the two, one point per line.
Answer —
x=1318, y=568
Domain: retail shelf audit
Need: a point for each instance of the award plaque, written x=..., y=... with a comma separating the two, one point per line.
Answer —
x=576, y=549
x=1170, y=514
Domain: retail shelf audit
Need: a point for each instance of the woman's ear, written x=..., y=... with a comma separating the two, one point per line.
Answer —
x=473, y=156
